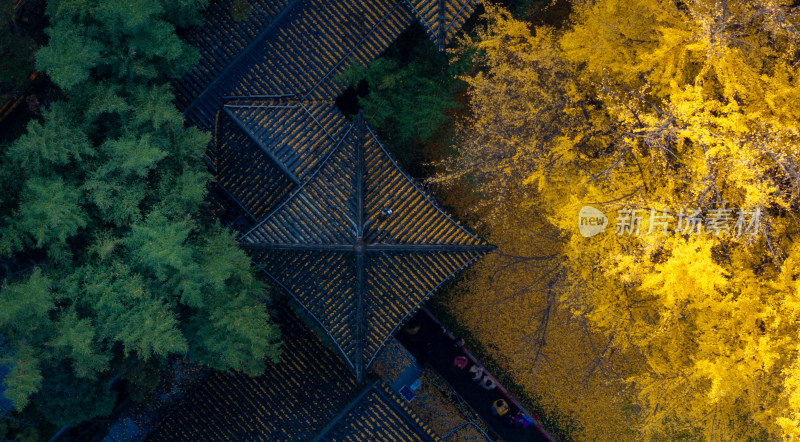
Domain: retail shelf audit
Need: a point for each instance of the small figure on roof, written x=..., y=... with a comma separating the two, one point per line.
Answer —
x=499, y=407
x=385, y=213
x=460, y=362
x=459, y=344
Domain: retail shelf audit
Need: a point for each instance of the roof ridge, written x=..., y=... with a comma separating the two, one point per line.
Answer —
x=418, y=305
x=308, y=311
x=406, y=411
x=301, y=187
x=435, y=203
x=277, y=20
x=278, y=163
x=390, y=399
x=364, y=391
x=292, y=235
x=351, y=50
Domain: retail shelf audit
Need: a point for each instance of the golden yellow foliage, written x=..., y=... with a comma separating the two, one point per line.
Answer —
x=650, y=106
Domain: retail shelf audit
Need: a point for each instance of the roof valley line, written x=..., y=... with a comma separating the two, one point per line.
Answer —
x=359, y=245
x=338, y=224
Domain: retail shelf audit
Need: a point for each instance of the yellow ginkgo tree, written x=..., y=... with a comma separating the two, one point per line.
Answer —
x=678, y=121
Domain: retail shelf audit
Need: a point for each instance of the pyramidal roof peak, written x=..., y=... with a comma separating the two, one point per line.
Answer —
x=360, y=245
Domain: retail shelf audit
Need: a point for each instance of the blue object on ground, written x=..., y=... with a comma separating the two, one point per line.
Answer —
x=407, y=377
x=407, y=394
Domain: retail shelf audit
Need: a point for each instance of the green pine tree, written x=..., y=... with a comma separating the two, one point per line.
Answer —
x=106, y=190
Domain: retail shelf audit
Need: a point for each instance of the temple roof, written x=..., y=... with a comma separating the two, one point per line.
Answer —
x=299, y=54
x=295, y=134
x=360, y=245
x=309, y=394
x=221, y=39
x=293, y=400
x=442, y=19
x=332, y=218
x=266, y=148
x=376, y=414
x=297, y=48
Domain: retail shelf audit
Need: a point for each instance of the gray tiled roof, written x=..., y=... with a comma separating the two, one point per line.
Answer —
x=360, y=245
x=442, y=19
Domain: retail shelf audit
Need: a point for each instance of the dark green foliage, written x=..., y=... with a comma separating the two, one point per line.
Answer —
x=143, y=377
x=407, y=103
x=70, y=56
x=127, y=41
x=25, y=377
x=52, y=144
x=108, y=186
x=49, y=211
x=241, y=10
x=540, y=12
x=20, y=430
x=524, y=9
x=410, y=92
x=66, y=400
x=16, y=52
